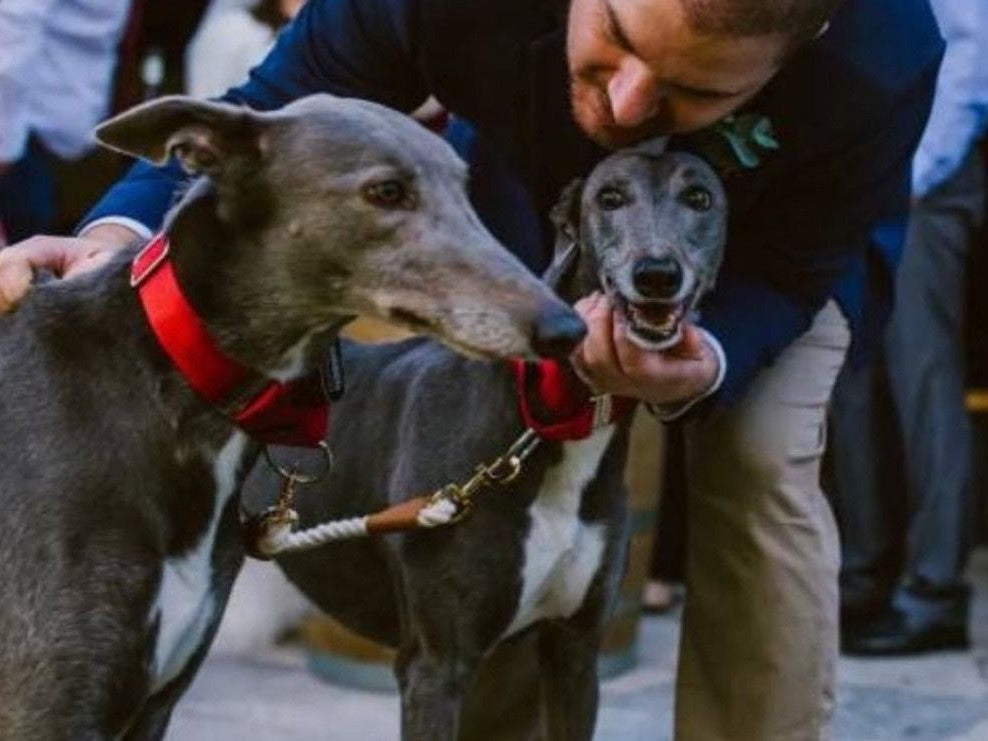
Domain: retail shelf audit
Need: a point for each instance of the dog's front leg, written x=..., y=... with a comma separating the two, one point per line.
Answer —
x=568, y=661
x=433, y=688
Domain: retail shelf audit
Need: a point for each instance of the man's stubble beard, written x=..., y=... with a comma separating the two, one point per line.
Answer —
x=591, y=112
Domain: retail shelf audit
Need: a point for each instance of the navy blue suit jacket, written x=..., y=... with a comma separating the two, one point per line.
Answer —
x=848, y=110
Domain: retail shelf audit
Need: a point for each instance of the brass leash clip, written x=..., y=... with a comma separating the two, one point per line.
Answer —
x=255, y=527
x=501, y=472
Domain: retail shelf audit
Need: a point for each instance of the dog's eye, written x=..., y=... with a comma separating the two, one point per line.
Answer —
x=611, y=198
x=697, y=198
x=388, y=194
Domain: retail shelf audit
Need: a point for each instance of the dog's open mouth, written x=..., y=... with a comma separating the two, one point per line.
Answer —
x=652, y=325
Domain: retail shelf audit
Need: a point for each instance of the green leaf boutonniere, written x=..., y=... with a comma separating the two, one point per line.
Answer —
x=737, y=142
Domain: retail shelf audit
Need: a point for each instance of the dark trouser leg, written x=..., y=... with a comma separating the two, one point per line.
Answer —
x=27, y=195
x=866, y=489
x=669, y=549
x=926, y=371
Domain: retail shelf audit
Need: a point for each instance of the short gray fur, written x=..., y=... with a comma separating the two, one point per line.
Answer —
x=416, y=417
x=107, y=456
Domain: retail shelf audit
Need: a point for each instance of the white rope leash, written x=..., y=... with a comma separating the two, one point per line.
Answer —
x=271, y=533
x=440, y=511
x=280, y=538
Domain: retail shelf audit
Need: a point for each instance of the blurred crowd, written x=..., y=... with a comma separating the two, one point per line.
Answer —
x=66, y=65
x=902, y=474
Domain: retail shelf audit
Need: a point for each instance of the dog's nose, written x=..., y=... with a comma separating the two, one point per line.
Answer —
x=657, y=277
x=557, y=333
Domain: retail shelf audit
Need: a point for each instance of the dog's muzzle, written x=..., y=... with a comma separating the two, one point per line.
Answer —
x=654, y=315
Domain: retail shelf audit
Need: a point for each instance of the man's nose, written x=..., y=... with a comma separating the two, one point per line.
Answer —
x=633, y=94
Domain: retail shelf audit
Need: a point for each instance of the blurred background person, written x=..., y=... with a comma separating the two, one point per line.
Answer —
x=903, y=559
x=57, y=62
x=234, y=36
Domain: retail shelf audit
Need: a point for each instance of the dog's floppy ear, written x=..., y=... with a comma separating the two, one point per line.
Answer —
x=204, y=136
x=565, y=217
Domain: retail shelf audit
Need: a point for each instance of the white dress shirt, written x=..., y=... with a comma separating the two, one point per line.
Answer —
x=960, y=106
x=227, y=44
x=57, y=59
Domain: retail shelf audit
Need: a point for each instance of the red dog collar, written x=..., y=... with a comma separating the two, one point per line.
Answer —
x=575, y=413
x=294, y=413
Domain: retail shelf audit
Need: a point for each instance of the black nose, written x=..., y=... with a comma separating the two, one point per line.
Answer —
x=557, y=332
x=657, y=277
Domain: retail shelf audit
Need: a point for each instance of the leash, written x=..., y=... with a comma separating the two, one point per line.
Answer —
x=578, y=415
x=272, y=532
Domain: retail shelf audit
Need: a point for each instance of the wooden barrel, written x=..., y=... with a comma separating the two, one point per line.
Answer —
x=342, y=657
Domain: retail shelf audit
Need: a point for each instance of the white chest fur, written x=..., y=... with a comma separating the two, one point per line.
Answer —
x=562, y=554
x=186, y=604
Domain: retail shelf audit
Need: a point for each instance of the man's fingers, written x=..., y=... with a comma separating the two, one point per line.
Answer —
x=17, y=265
x=15, y=279
x=90, y=260
x=598, y=347
x=63, y=256
x=586, y=305
x=630, y=357
x=692, y=346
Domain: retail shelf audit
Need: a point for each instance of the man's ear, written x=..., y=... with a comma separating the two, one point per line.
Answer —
x=206, y=137
x=565, y=217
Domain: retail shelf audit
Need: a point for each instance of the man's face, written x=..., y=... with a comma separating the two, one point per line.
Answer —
x=638, y=70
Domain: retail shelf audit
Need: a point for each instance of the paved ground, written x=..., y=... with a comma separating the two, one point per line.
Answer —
x=271, y=697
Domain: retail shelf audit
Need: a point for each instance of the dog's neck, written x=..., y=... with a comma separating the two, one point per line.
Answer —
x=222, y=273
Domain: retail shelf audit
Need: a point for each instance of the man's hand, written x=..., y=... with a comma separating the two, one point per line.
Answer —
x=64, y=256
x=610, y=363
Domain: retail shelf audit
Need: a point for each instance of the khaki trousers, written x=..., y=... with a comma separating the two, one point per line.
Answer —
x=760, y=630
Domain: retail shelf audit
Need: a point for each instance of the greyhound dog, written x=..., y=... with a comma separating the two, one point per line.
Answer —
x=118, y=481
x=546, y=552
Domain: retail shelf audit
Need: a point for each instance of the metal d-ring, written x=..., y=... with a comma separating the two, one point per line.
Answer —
x=293, y=474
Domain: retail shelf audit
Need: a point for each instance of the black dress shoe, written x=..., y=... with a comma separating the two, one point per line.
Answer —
x=893, y=634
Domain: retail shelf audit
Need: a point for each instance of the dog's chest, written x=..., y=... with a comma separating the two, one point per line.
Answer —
x=186, y=603
x=562, y=554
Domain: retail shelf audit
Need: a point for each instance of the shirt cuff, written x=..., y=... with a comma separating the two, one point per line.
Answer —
x=135, y=226
x=672, y=412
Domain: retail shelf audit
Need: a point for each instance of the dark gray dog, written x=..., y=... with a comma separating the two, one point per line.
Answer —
x=549, y=550
x=118, y=484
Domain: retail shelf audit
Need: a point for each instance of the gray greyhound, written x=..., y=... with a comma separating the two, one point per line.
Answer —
x=548, y=551
x=118, y=483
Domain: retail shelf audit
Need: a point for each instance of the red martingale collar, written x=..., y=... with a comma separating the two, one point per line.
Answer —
x=575, y=412
x=294, y=413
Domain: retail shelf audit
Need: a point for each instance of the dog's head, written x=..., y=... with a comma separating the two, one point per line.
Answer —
x=648, y=228
x=348, y=208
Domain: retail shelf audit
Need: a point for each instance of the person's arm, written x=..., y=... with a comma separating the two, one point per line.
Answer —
x=352, y=48
x=22, y=33
x=63, y=256
x=818, y=221
x=960, y=106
